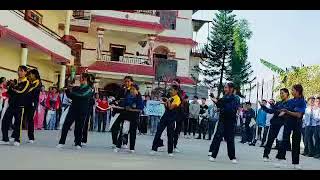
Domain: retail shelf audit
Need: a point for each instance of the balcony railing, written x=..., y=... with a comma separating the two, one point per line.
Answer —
x=148, y=12
x=43, y=28
x=137, y=60
x=198, y=49
x=82, y=14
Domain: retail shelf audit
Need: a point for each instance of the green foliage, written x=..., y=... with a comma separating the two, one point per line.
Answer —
x=273, y=67
x=218, y=52
x=308, y=77
x=240, y=71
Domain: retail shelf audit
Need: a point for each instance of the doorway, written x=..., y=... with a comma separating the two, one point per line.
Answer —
x=117, y=51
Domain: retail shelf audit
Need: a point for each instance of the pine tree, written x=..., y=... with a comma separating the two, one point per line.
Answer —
x=240, y=68
x=218, y=51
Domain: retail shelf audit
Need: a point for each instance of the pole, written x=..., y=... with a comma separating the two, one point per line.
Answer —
x=272, y=86
x=262, y=89
x=257, y=97
x=250, y=91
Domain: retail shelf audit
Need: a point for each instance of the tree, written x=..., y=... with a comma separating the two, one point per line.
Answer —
x=308, y=77
x=240, y=68
x=218, y=51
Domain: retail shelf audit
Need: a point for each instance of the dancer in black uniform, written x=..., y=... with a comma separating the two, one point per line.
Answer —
x=228, y=106
x=32, y=101
x=78, y=111
x=16, y=109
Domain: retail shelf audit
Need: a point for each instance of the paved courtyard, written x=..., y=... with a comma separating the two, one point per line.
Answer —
x=99, y=155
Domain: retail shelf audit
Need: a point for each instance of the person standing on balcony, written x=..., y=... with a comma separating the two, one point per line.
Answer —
x=17, y=93
x=32, y=101
x=80, y=96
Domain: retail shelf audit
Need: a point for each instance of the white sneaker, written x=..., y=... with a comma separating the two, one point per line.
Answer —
x=210, y=154
x=11, y=139
x=16, y=143
x=132, y=151
x=211, y=159
x=280, y=163
x=59, y=146
x=176, y=150
x=234, y=161
x=78, y=147
x=153, y=153
x=125, y=146
x=31, y=141
x=4, y=142
x=113, y=146
x=161, y=149
x=83, y=144
x=266, y=159
x=297, y=167
x=116, y=150
x=171, y=155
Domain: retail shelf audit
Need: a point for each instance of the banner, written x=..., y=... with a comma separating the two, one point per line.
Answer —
x=154, y=108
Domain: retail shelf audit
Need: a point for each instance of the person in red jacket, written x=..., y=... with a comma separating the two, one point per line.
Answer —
x=101, y=109
x=52, y=103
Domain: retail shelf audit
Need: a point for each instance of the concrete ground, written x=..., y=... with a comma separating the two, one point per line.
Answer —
x=98, y=155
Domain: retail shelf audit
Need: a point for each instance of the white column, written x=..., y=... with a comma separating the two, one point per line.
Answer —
x=62, y=76
x=150, y=50
x=67, y=23
x=96, y=85
x=24, y=54
x=100, y=35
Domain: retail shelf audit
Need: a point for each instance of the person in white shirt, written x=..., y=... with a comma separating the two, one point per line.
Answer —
x=266, y=129
x=310, y=125
x=317, y=128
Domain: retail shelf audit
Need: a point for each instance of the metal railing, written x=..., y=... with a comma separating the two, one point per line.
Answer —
x=82, y=14
x=148, y=12
x=198, y=49
x=40, y=26
x=127, y=60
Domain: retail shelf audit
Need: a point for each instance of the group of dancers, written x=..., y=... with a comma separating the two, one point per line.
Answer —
x=24, y=95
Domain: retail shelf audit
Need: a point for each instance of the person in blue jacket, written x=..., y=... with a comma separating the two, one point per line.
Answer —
x=261, y=122
x=294, y=113
x=276, y=121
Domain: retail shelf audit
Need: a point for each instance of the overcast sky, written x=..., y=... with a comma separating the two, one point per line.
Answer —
x=282, y=37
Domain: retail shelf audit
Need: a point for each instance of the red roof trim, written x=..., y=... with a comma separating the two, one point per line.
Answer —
x=122, y=68
x=186, y=80
x=167, y=39
x=125, y=22
x=19, y=37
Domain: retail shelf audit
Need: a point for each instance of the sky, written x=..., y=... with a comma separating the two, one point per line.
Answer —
x=283, y=37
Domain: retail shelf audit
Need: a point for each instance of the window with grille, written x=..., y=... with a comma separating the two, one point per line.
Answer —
x=168, y=19
x=33, y=17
